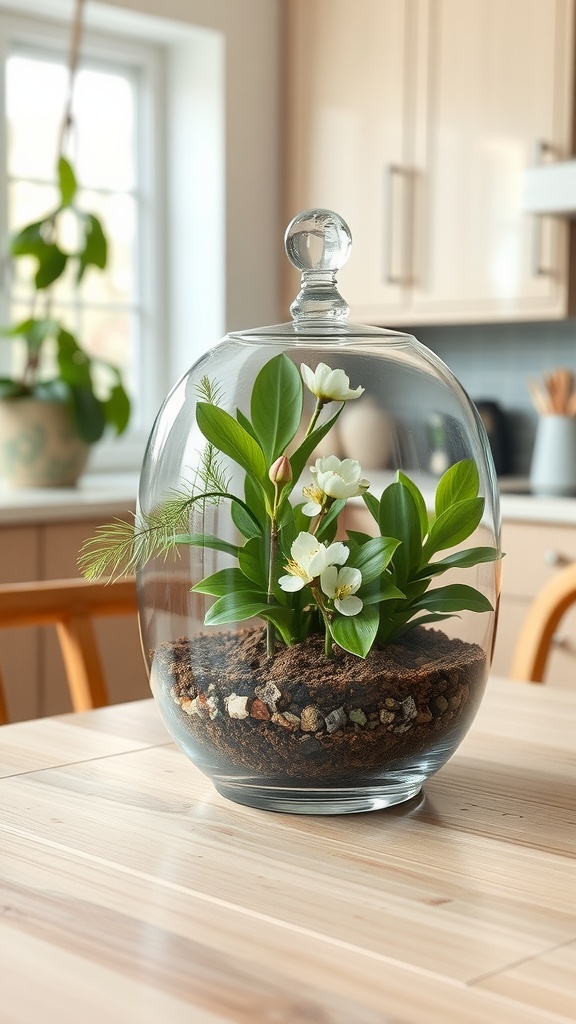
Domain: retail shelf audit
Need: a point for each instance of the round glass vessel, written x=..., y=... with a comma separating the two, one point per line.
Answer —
x=319, y=610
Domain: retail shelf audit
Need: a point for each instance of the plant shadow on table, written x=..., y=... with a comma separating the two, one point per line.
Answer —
x=531, y=807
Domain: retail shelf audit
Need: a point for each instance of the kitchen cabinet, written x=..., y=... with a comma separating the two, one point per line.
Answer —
x=416, y=119
x=31, y=662
x=534, y=552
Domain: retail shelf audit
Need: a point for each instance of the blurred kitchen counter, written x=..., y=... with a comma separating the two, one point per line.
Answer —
x=96, y=496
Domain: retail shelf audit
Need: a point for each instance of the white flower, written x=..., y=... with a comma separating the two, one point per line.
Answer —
x=341, y=585
x=329, y=385
x=339, y=478
x=309, y=559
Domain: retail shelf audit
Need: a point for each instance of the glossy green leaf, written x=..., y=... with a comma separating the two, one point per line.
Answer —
x=205, y=540
x=398, y=517
x=253, y=561
x=453, y=526
x=372, y=557
x=380, y=590
x=245, y=422
x=235, y=607
x=29, y=240
x=356, y=633
x=461, y=560
x=454, y=598
x=244, y=522
x=223, y=582
x=276, y=405
x=459, y=483
x=226, y=434
x=66, y=181
x=373, y=505
x=418, y=501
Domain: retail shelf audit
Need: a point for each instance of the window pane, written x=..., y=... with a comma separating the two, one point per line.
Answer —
x=118, y=215
x=35, y=99
x=27, y=202
x=104, y=144
x=110, y=336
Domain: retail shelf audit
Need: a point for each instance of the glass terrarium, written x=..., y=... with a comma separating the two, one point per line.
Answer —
x=318, y=548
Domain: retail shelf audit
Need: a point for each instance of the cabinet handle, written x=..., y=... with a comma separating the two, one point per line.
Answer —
x=541, y=149
x=392, y=172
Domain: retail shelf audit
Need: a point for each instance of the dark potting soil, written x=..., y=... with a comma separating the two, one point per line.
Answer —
x=305, y=717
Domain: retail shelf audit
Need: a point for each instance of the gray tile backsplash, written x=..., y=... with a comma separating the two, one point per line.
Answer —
x=495, y=361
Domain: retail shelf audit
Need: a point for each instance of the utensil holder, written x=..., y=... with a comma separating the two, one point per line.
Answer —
x=553, y=469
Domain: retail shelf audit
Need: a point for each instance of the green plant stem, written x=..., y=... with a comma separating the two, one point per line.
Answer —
x=318, y=409
x=270, y=636
x=326, y=617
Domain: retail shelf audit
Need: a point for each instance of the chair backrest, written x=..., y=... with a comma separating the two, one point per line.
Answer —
x=544, y=614
x=70, y=605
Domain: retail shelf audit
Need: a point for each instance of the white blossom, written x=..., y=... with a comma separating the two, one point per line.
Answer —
x=329, y=385
x=310, y=558
x=333, y=478
x=341, y=585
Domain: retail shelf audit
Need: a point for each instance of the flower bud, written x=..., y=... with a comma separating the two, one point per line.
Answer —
x=281, y=471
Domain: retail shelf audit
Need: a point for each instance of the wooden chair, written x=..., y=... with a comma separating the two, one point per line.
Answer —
x=70, y=605
x=545, y=612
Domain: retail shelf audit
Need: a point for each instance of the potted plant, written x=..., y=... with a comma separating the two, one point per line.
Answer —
x=52, y=409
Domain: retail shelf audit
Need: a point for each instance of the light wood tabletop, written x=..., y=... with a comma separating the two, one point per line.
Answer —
x=132, y=892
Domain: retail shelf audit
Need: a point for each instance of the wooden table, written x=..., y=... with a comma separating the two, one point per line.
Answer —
x=132, y=892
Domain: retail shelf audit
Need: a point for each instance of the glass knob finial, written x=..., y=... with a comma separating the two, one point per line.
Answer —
x=318, y=240
x=318, y=243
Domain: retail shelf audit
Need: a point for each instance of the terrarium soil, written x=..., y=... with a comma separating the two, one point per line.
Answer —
x=312, y=719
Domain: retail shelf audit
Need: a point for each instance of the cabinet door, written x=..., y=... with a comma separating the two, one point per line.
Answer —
x=19, y=647
x=347, y=92
x=494, y=93
x=118, y=638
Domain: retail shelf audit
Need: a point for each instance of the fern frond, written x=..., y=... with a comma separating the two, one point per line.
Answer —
x=120, y=548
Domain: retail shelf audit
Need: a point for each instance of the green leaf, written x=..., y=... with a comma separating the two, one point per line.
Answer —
x=224, y=582
x=418, y=501
x=454, y=598
x=398, y=517
x=66, y=181
x=117, y=409
x=453, y=526
x=88, y=413
x=327, y=529
x=229, y=437
x=276, y=405
x=235, y=607
x=356, y=633
x=245, y=422
x=29, y=240
x=293, y=522
x=253, y=561
x=459, y=483
x=461, y=560
x=244, y=522
x=51, y=265
x=372, y=557
x=372, y=504
x=73, y=363
x=255, y=502
x=300, y=457
x=380, y=590
x=95, y=251
x=205, y=540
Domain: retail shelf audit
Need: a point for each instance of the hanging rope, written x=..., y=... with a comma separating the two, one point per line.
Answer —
x=73, y=55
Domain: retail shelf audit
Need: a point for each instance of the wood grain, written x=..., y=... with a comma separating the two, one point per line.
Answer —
x=141, y=893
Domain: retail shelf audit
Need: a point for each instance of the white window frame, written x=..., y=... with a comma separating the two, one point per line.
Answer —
x=146, y=62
